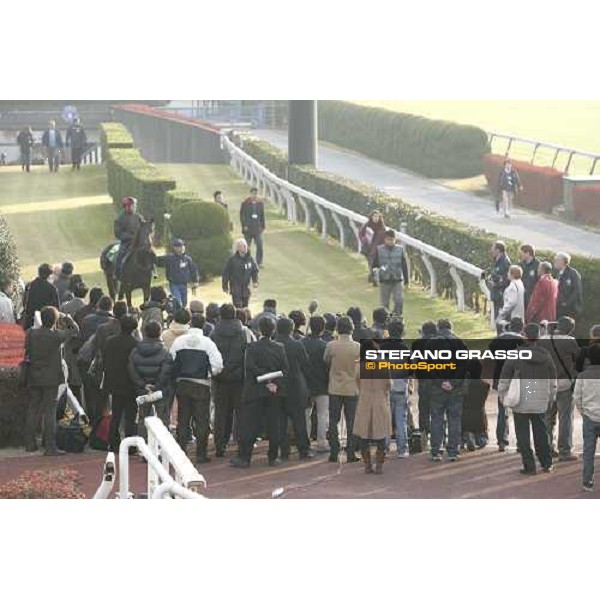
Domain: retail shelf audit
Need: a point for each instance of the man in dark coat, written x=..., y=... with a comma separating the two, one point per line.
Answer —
x=150, y=368
x=26, y=141
x=103, y=314
x=77, y=139
x=252, y=219
x=330, y=326
x=499, y=276
x=569, y=302
x=230, y=339
x=239, y=272
x=262, y=399
x=39, y=294
x=63, y=282
x=109, y=328
x=125, y=227
x=117, y=380
x=181, y=271
x=317, y=379
x=295, y=402
x=269, y=310
x=531, y=266
x=45, y=374
x=52, y=141
x=95, y=294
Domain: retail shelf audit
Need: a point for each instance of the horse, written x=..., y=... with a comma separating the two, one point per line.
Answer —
x=138, y=268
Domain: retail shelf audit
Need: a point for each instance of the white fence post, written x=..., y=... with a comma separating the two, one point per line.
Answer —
x=432, y=274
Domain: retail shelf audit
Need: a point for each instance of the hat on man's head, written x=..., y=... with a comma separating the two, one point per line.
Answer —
x=197, y=306
x=177, y=243
x=129, y=201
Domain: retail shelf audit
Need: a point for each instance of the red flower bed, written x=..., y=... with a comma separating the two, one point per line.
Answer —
x=57, y=483
x=586, y=203
x=543, y=186
x=12, y=345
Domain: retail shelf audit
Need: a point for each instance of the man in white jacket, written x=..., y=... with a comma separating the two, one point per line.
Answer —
x=587, y=400
x=513, y=304
x=196, y=359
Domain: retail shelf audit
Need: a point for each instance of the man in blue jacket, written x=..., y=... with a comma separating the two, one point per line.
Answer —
x=181, y=271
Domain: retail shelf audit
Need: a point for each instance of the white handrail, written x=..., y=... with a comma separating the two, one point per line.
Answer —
x=252, y=171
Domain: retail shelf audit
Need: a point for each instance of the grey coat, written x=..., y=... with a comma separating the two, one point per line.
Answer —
x=538, y=380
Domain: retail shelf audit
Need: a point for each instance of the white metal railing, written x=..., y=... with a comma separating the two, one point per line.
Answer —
x=555, y=150
x=286, y=195
x=164, y=456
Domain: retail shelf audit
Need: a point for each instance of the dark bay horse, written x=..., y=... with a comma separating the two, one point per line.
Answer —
x=137, y=270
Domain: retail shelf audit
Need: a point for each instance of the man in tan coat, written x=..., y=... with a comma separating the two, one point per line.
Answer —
x=341, y=356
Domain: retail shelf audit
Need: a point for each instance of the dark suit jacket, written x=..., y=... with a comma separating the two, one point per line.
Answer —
x=569, y=301
x=40, y=293
x=262, y=357
x=117, y=350
x=43, y=349
x=295, y=352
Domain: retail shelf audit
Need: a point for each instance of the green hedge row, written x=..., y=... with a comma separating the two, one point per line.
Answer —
x=435, y=148
x=469, y=243
x=114, y=135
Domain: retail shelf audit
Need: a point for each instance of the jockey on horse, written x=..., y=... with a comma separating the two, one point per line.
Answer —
x=126, y=226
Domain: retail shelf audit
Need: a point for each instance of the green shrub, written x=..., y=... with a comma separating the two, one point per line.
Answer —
x=9, y=262
x=466, y=242
x=204, y=226
x=435, y=148
x=210, y=254
x=195, y=220
x=114, y=135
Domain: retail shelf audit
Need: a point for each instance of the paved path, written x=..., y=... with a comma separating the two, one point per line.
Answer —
x=541, y=231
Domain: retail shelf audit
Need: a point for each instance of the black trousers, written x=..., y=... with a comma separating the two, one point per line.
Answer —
x=193, y=405
x=290, y=409
x=253, y=412
x=227, y=397
x=76, y=157
x=240, y=294
x=95, y=399
x=122, y=405
x=336, y=404
x=424, y=406
x=540, y=439
x=41, y=408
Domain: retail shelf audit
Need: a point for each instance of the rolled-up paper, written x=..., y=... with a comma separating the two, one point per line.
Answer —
x=269, y=377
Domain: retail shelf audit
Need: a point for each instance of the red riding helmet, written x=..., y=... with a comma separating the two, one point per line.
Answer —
x=129, y=201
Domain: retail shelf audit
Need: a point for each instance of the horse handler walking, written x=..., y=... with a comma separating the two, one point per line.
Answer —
x=181, y=271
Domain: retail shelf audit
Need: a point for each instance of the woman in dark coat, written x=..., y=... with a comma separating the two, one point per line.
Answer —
x=372, y=235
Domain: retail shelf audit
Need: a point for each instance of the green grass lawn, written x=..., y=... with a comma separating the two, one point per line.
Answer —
x=574, y=123
x=69, y=216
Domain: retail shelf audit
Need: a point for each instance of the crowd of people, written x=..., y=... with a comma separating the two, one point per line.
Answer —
x=294, y=379
x=53, y=144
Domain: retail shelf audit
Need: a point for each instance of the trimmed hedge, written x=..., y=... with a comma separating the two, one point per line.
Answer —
x=114, y=135
x=469, y=243
x=586, y=204
x=130, y=175
x=542, y=186
x=434, y=148
x=204, y=227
